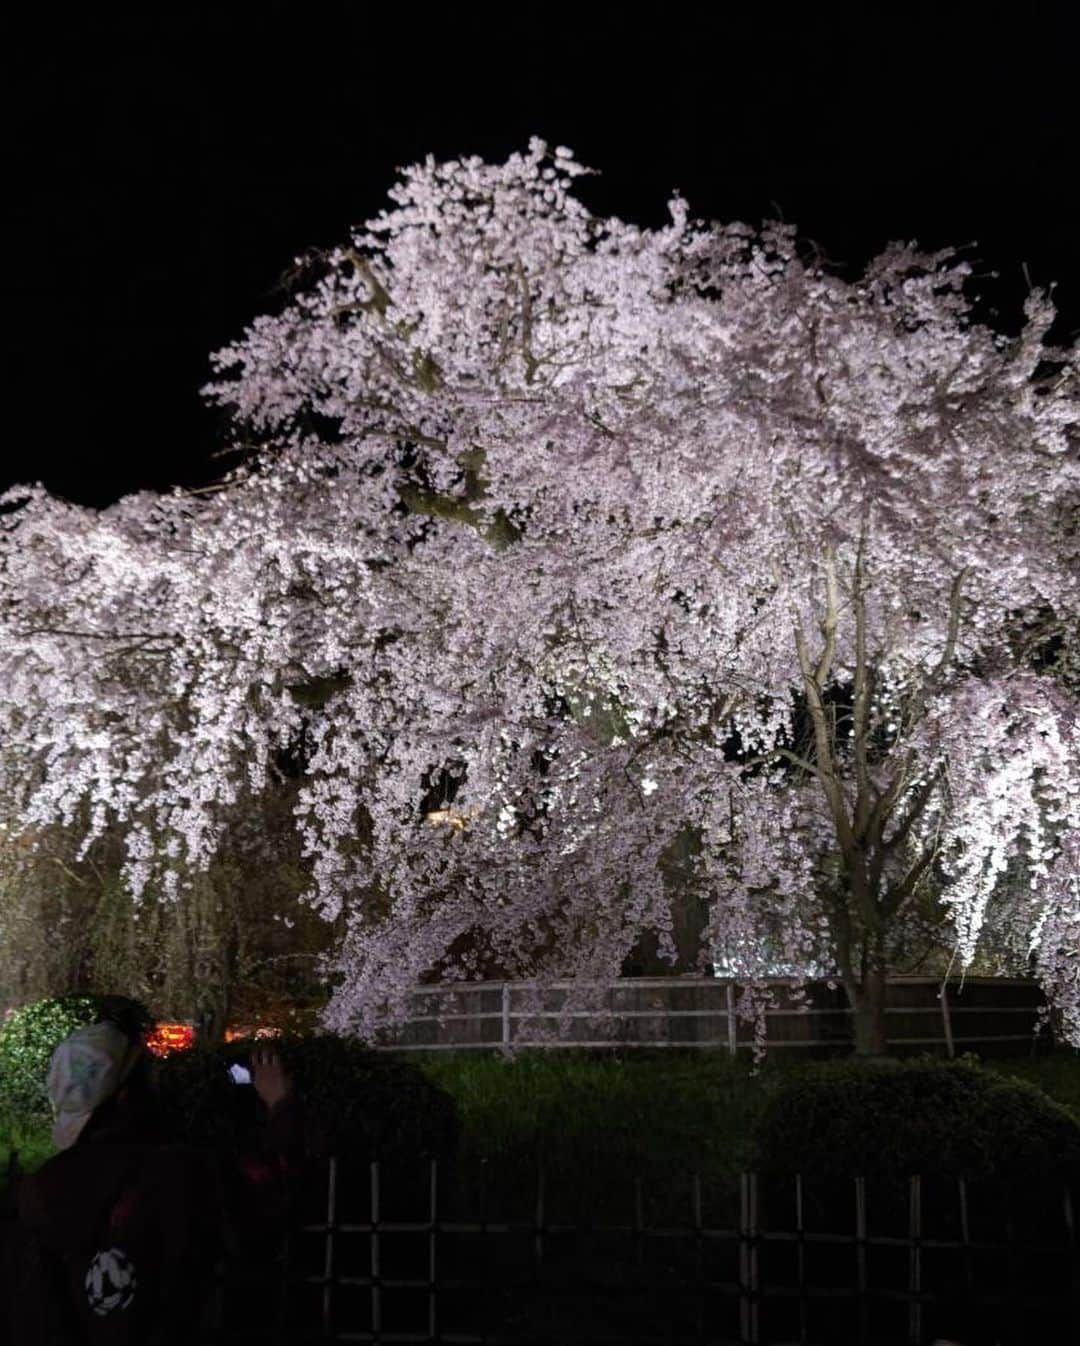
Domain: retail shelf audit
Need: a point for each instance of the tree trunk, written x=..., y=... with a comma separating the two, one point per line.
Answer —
x=868, y=1004
x=213, y=1017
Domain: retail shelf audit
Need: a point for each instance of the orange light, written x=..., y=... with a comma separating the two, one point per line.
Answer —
x=165, y=1038
x=175, y=1037
x=231, y=1034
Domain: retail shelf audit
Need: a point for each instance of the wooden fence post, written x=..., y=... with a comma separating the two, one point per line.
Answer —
x=965, y=1236
x=699, y=1241
x=376, y=1287
x=800, y=1244
x=1070, y=1232
x=915, y=1260
x=946, y=1023
x=328, y=1249
x=860, y=1254
x=434, y=1219
x=731, y=1038
x=748, y=1258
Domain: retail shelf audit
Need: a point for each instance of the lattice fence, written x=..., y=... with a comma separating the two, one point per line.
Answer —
x=953, y=1257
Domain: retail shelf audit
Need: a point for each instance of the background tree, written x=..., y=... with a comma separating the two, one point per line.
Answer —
x=238, y=948
x=608, y=536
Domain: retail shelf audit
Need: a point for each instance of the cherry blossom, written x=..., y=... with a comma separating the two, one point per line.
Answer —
x=611, y=532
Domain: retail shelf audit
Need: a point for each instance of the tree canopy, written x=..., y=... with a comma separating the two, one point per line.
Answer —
x=599, y=533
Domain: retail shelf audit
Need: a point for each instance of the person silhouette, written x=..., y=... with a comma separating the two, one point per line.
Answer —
x=122, y=1231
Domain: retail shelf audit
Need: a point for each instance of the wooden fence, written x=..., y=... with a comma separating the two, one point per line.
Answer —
x=986, y=1014
x=761, y=1262
x=956, y=1262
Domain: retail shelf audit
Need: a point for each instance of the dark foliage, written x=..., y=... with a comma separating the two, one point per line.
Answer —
x=358, y=1102
x=31, y=1035
x=840, y=1119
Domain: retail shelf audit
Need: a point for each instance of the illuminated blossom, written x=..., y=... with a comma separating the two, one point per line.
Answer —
x=623, y=531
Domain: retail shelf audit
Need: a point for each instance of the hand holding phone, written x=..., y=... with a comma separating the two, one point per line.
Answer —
x=268, y=1075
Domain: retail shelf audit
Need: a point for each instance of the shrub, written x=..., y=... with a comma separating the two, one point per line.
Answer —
x=30, y=1035
x=893, y=1118
x=357, y=1101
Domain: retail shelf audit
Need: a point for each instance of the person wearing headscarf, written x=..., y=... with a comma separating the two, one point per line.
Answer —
x=124, y=1228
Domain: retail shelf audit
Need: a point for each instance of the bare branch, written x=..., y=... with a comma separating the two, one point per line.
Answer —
x=70, y=873
x=100, y=635
x=526, y=322
x=787, y=756
x=953, y=631
x=832, y=617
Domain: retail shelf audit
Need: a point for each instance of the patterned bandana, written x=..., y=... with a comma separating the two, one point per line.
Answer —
x=88, y=1067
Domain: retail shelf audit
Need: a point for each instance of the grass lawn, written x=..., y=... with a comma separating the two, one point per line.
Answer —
x=594, y=1119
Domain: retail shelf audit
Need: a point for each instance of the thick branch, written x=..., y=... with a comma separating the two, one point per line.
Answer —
x=832, y=618
x=813, y=682
x=526, y=323
x=941, y=667
x=922, y=795
x=899, y=894
x=885, y=800
x=861, y=701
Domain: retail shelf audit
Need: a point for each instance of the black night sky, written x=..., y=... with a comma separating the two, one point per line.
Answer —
x=163, y=167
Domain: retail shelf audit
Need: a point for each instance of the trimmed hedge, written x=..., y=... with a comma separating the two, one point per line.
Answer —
x=841, y=1119
x=357, y=1101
